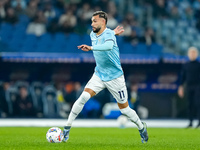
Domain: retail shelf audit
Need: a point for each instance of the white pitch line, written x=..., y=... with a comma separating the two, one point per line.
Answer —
x=160, y=123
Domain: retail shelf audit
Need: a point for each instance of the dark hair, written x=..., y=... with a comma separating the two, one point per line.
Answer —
x=101, y=14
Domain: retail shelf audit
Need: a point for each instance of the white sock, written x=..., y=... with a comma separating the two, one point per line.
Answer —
x=131, y=114
x=77, y=107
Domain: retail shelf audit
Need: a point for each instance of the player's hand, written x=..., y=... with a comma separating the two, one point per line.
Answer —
x=181, y=91
x=84, y=47
x=119, y=30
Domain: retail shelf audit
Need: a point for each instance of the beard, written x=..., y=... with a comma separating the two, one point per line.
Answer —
x=96, y=30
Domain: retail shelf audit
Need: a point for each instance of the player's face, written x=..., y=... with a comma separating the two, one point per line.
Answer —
x=97, y=23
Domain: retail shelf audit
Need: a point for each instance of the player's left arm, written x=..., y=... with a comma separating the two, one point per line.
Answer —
x=118, y=30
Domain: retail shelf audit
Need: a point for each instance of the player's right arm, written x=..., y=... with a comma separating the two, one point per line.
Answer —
x=107, y=46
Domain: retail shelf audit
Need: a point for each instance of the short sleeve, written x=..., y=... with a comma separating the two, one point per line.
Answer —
x=109, y=36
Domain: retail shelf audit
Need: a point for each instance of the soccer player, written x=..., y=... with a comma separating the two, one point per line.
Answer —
x=108, y=74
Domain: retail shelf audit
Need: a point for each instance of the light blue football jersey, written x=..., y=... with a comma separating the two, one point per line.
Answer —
x=108, y=66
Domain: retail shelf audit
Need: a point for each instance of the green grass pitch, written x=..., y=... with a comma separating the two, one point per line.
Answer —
x=34, y=138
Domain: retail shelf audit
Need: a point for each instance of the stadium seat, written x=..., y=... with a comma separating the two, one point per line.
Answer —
x=182, y=23
x=36, y=89
x=42, y=48
x=91, y=109
x=7, y=27
x=196, y=43
x=85, y=39
x=127, y=49
x=47, y=37
x=60, y=37
x=191, y=30
x=50, y=104
x=184, y=45
x=19, y=35
x=111, y=111
x=156, y=49
x=11, y=96
x=156, y=24
x=15, y=44
x=6, y=32
x=24, y=19
x=142, y=49
x=29, y=43
x=27, y=47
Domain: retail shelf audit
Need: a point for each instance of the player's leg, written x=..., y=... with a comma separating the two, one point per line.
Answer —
x=93, y=87
x=117, y=88
x=76, y=109
x=132, y=115
x=190, y=98
x=79, y=104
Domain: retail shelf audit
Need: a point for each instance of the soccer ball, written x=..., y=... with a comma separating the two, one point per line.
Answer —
x=122, y=121
x=54, y=135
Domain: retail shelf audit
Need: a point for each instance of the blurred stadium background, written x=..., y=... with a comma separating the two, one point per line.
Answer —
x=42, y=71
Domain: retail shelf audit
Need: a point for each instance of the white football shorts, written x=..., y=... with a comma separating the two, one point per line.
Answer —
x=116, y=87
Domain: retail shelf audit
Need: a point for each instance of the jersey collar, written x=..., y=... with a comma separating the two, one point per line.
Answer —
x=101, y=33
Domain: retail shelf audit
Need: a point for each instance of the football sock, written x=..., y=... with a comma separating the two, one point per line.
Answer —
x=77, y=107
x=131, y=114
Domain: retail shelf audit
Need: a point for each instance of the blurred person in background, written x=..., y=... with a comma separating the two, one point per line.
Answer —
x=78, y=89
x=125, y=6
x=2, y=11
x=148, y=37
x=38, y=25
x=133, y=38
x=135, y=101
x=103, y=4
x=83, y=18
x=11, y=16
x=49, y=11
x=7, y=3
x=189, y=13
x=127, y=28
x=24, y=104
x=15, y=3
x=159, y=10
x=85, y=12
x=174, y=13
x=112, y=22
x=134, y=97
x=64, y=106
x=19, y=6
x=190, y=76
x=112, y=10
x=60, y=4
x=70, y=95
x=53, y=27
x=31, y=9
x=67, y=21
x=66, y=27
x=3, y=103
